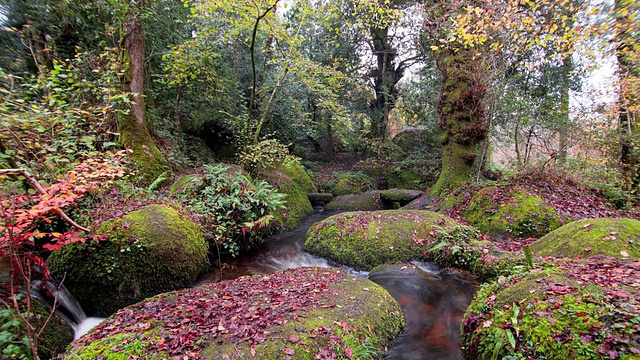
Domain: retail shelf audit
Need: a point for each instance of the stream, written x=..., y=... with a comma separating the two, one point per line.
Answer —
x=433, y=300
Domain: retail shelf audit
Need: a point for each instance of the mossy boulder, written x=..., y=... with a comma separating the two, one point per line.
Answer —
x=522, y=214
x=588, y=237
x=554, y=313
x=293, y=314
x=367, y=239
x=152, y=250
x=424, y=202
x=369, y=200
x=320, y=199
x=293, y=180
x=396, y=198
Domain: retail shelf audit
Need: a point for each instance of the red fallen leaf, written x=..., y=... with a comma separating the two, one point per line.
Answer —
x=252, y=350
x=348, y=353
x=289, y=351
x=294, y=338
x=587, y=249
x=581, y=314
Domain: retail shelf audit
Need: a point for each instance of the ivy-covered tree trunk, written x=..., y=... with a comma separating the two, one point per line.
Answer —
x=462, y=116
x=132, y=125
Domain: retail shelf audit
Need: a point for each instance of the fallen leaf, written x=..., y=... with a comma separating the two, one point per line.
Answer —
x=624, y=253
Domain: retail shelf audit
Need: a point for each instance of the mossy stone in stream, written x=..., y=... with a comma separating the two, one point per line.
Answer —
x=366, y=239
x=369, y=200
x=523, y=214
x=151, y=250
x=588, y=237
x=292, y=314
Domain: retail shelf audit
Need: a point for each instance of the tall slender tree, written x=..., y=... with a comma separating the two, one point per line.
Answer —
x=132, y=124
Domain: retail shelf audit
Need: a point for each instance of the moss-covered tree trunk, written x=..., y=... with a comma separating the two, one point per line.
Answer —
x=462, y=116
x=132, y=125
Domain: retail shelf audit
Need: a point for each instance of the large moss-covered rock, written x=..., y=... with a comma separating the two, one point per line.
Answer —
x=369, y=200
x=568, y=311
x=366, y=239
x=523, y=214
x=294, y=314
x=395, y=198
x=152, y=250
x=588, y=237
x=294, y=181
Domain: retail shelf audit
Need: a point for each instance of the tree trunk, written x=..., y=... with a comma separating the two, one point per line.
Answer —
x=386, y=76
x=565, y=121
x=462, y=116
x=147, y=160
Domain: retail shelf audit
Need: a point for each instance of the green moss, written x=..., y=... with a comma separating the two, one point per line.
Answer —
x=369, y=200
x=183, y=183
x=364, y=240
x=456, y=170
x=592, y=237
x=295, y=182
x=523, y=215
x=300, y=177
x=451, y=201
x=120, y=346
x=56, y=335
x=152, y=250
x=352, y=183
x=148, y=162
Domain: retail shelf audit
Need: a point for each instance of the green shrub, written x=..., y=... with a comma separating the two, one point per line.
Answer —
x=230, y=208
x=263, y=155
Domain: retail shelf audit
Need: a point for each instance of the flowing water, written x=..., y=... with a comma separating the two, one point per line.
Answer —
x=433, y=301
x=52, y=293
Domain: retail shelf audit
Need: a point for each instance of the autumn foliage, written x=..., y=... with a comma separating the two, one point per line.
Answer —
x=23, y=216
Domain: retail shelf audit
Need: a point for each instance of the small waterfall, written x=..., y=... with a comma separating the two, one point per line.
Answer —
x=51, y=293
